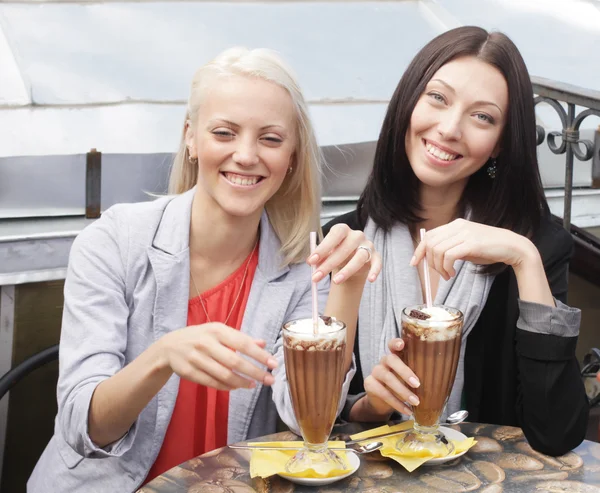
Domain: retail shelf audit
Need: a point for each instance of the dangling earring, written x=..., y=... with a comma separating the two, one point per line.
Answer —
x=492, y=168
x=290, y=169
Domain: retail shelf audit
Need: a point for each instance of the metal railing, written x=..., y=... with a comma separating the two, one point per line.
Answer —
x=554, y=93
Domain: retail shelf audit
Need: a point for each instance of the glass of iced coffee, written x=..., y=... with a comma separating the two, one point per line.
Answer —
x=432, y=339
x=314, y=365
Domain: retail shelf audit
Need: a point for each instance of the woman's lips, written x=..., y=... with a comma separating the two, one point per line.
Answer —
x=439, y=157
x=246, y=181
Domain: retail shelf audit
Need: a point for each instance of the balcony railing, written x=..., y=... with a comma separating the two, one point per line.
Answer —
x=567, y=140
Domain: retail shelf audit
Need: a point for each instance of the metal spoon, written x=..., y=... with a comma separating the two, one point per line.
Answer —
x=353, y=447
x=457, y=417
x=453, y=419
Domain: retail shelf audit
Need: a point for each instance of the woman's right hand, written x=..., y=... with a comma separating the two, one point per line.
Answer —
x=389, y=385
x=207, y=354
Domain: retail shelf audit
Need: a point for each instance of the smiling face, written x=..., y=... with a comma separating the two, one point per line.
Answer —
x=244, y=138
x=457, y=123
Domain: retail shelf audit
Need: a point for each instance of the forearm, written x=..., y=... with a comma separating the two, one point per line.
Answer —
x=552, y=405
x=363, y=411
x=531, y=277
x=118, y=400
x=343, y=303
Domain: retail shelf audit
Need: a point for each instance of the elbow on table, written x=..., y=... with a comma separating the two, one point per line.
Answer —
x=561, y=435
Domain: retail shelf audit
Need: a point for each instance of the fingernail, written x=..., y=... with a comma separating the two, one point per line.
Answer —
x=414, y=400
x=414, y=382
x=272, y=363
x=338, y=278
x=317, y=276
x=313, y=258
x=412, y=260
x=372, y=278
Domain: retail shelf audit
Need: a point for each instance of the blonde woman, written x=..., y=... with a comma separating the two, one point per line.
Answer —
x=173, y=308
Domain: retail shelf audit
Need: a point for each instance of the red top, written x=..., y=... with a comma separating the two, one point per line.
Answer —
x=199, y=420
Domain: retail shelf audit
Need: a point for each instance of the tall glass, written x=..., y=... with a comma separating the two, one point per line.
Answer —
x=431, y=350
x=314, y=366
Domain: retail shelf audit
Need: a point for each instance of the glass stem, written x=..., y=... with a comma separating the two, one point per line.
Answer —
x=317, y=448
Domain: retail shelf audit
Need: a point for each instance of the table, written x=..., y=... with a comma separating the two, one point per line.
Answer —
x=501, y=462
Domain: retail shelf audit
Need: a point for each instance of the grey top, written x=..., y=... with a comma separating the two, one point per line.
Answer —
x=127, y=285
x=398, y=286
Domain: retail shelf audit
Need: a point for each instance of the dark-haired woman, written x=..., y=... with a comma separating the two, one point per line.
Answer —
x=457, y=156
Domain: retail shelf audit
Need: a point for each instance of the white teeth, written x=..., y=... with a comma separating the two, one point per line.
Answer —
x=242, y=180
x=439, y=153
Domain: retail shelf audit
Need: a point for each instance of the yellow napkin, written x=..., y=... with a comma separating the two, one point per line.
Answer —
x=412, y=460
x=265, y=463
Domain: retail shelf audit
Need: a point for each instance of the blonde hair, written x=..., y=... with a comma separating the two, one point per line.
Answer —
x=294, y=210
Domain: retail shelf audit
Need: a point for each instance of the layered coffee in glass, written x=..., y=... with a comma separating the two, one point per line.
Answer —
x=432, y=338
x=314, y=365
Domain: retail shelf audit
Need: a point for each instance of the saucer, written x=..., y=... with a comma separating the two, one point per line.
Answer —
x=353, y=462
x=451, y=434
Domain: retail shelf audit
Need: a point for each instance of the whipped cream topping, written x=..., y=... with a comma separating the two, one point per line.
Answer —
x=301, y=332
x=438, y=314
x=442, y=326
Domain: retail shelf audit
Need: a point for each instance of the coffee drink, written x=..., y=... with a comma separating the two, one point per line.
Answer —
x=432, y=339
x=314, y=366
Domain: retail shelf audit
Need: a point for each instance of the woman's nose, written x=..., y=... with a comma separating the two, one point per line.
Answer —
x=449, y=126
x=246, y=154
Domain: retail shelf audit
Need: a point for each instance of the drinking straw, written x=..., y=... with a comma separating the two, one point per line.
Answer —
x=315, y=309
x=426, y=273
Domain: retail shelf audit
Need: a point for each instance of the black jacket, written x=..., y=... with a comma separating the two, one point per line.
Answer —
x=512, y=376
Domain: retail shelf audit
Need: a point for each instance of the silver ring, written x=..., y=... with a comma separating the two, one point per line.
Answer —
x=367, y=249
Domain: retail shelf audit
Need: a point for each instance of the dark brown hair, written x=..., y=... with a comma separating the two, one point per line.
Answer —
x=515, y=198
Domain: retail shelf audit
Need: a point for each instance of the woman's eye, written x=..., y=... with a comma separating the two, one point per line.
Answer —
x=437, y=97
x=271, y=138
x=223, y=133
x=482, y=117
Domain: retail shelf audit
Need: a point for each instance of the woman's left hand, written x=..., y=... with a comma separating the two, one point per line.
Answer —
x=473, y=242
x=348, y=254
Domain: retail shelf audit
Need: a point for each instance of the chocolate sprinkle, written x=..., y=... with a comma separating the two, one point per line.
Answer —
x=419, y=315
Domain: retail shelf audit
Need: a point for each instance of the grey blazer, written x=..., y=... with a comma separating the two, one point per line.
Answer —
x=127, y=285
